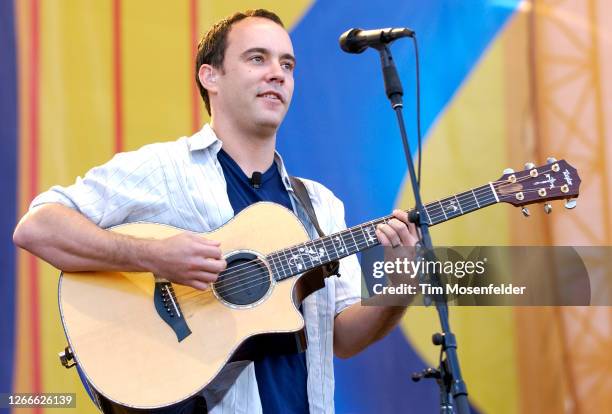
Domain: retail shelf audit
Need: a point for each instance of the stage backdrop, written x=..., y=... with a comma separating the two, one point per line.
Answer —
x=503, y=82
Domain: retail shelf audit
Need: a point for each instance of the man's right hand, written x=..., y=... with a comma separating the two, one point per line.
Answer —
x=72, y=243
x=187, y=259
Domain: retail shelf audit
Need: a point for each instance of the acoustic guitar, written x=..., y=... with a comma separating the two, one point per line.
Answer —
x=144, y=342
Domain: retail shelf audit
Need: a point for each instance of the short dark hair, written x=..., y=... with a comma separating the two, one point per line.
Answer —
x=211, y=49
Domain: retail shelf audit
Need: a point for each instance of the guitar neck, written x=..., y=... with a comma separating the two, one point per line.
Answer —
x=314, y=253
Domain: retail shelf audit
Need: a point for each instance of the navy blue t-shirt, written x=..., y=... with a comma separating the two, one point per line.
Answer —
x=281, y=378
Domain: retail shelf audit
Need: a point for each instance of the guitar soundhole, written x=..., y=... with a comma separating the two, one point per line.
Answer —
x=245, y=281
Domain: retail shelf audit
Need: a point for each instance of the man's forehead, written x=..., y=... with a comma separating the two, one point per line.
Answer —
x=258, y=32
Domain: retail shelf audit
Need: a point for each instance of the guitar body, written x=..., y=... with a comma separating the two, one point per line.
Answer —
x=134, y=358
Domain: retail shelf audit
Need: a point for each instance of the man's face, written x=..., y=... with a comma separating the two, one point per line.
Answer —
x=255, y=87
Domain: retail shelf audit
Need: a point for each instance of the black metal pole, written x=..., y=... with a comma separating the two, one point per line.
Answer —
x=457, y=386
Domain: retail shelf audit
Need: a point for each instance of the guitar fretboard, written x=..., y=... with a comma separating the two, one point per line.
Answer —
x=314, y=253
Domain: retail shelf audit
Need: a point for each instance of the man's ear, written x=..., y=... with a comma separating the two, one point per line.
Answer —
x=208, y=77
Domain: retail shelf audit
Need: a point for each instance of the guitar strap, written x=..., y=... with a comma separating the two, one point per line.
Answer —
x=301, y=194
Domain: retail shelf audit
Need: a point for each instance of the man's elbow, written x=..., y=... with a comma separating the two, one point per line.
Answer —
x=345, y=350
x=29, y=232
x=343, y=353
x=24, y=235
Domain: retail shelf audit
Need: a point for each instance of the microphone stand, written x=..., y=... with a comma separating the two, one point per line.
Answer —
x=448, y=375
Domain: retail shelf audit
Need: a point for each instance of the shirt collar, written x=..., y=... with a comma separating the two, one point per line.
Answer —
x=203, y=139
x=206, y=138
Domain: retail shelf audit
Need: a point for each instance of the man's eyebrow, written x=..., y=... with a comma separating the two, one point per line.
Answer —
x=265, y=51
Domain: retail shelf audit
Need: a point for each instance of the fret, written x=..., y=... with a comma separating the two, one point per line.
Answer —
x=369, y=235
x=459, y=204
x=338, y=236
x=465, y=202
x=274, y=268
x=442, y=207
x=428, y=216
x=323, y=247
x=434, y=217
x=475, y=198
x=295, y=256
x=334, y=246
x=284, y=260
x=451, y=208
x=354, y=240
x=345, y=238
x=488, y=197
x=277, y=260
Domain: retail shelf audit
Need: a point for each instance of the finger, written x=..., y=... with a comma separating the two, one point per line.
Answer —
x=203, y=240
x=208, y=264
x=401, y=215
x=382, y=238
x=208, y=251
x=198, y=285
x=402, y=231
x=211, y=242
x=404, y=217
x=204, y=277
x=214, y=265
x=391, y=234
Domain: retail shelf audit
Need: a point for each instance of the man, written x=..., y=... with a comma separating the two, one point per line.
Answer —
x=244, y=71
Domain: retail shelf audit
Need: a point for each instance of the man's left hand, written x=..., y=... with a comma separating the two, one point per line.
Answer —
x=399, y=231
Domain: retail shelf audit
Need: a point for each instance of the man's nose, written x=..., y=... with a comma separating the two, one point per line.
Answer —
x=276, y=73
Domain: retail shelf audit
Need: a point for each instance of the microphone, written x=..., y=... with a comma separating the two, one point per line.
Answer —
x=255, y=179
x=357, y=40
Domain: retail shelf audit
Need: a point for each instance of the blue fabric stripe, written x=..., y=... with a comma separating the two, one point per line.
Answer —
x=340, y=112
x=8, y=188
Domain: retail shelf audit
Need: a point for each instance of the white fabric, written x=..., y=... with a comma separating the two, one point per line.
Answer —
x=181, y=183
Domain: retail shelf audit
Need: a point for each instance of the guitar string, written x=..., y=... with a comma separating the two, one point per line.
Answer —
x=437, y=216
x=243, y=267
x=435, y=209
x=244, y=277
x=245, y=283
x=242, y=287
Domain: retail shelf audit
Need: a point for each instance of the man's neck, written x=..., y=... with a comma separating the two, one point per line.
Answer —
x=252, y=150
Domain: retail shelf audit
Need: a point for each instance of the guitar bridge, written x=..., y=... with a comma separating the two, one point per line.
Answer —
x=169, y=310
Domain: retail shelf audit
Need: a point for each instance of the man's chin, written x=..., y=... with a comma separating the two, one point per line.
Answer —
x=271, y=123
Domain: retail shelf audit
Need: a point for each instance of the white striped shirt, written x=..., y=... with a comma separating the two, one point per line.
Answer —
x=181, y=183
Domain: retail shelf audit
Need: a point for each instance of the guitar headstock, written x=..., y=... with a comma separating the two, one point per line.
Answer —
x=554, y=181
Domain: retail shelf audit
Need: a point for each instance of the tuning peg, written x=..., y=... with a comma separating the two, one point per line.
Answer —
x=551, y=160
x=529, y=166
x=508, y=171
x=570, y=203
x=525, y=212
x=547, y=208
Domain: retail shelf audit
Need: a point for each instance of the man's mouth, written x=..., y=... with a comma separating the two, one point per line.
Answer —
x=271, y=95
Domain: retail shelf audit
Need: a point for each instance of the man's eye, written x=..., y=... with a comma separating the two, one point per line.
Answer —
x=257, y=59
x=287, y=66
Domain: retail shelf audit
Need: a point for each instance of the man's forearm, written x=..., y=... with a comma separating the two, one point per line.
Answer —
x=70, y=242
x=359, y=326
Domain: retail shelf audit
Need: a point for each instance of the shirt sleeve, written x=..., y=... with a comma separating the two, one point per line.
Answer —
x=348, y=285
x=129, y=187
x=330, y=213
